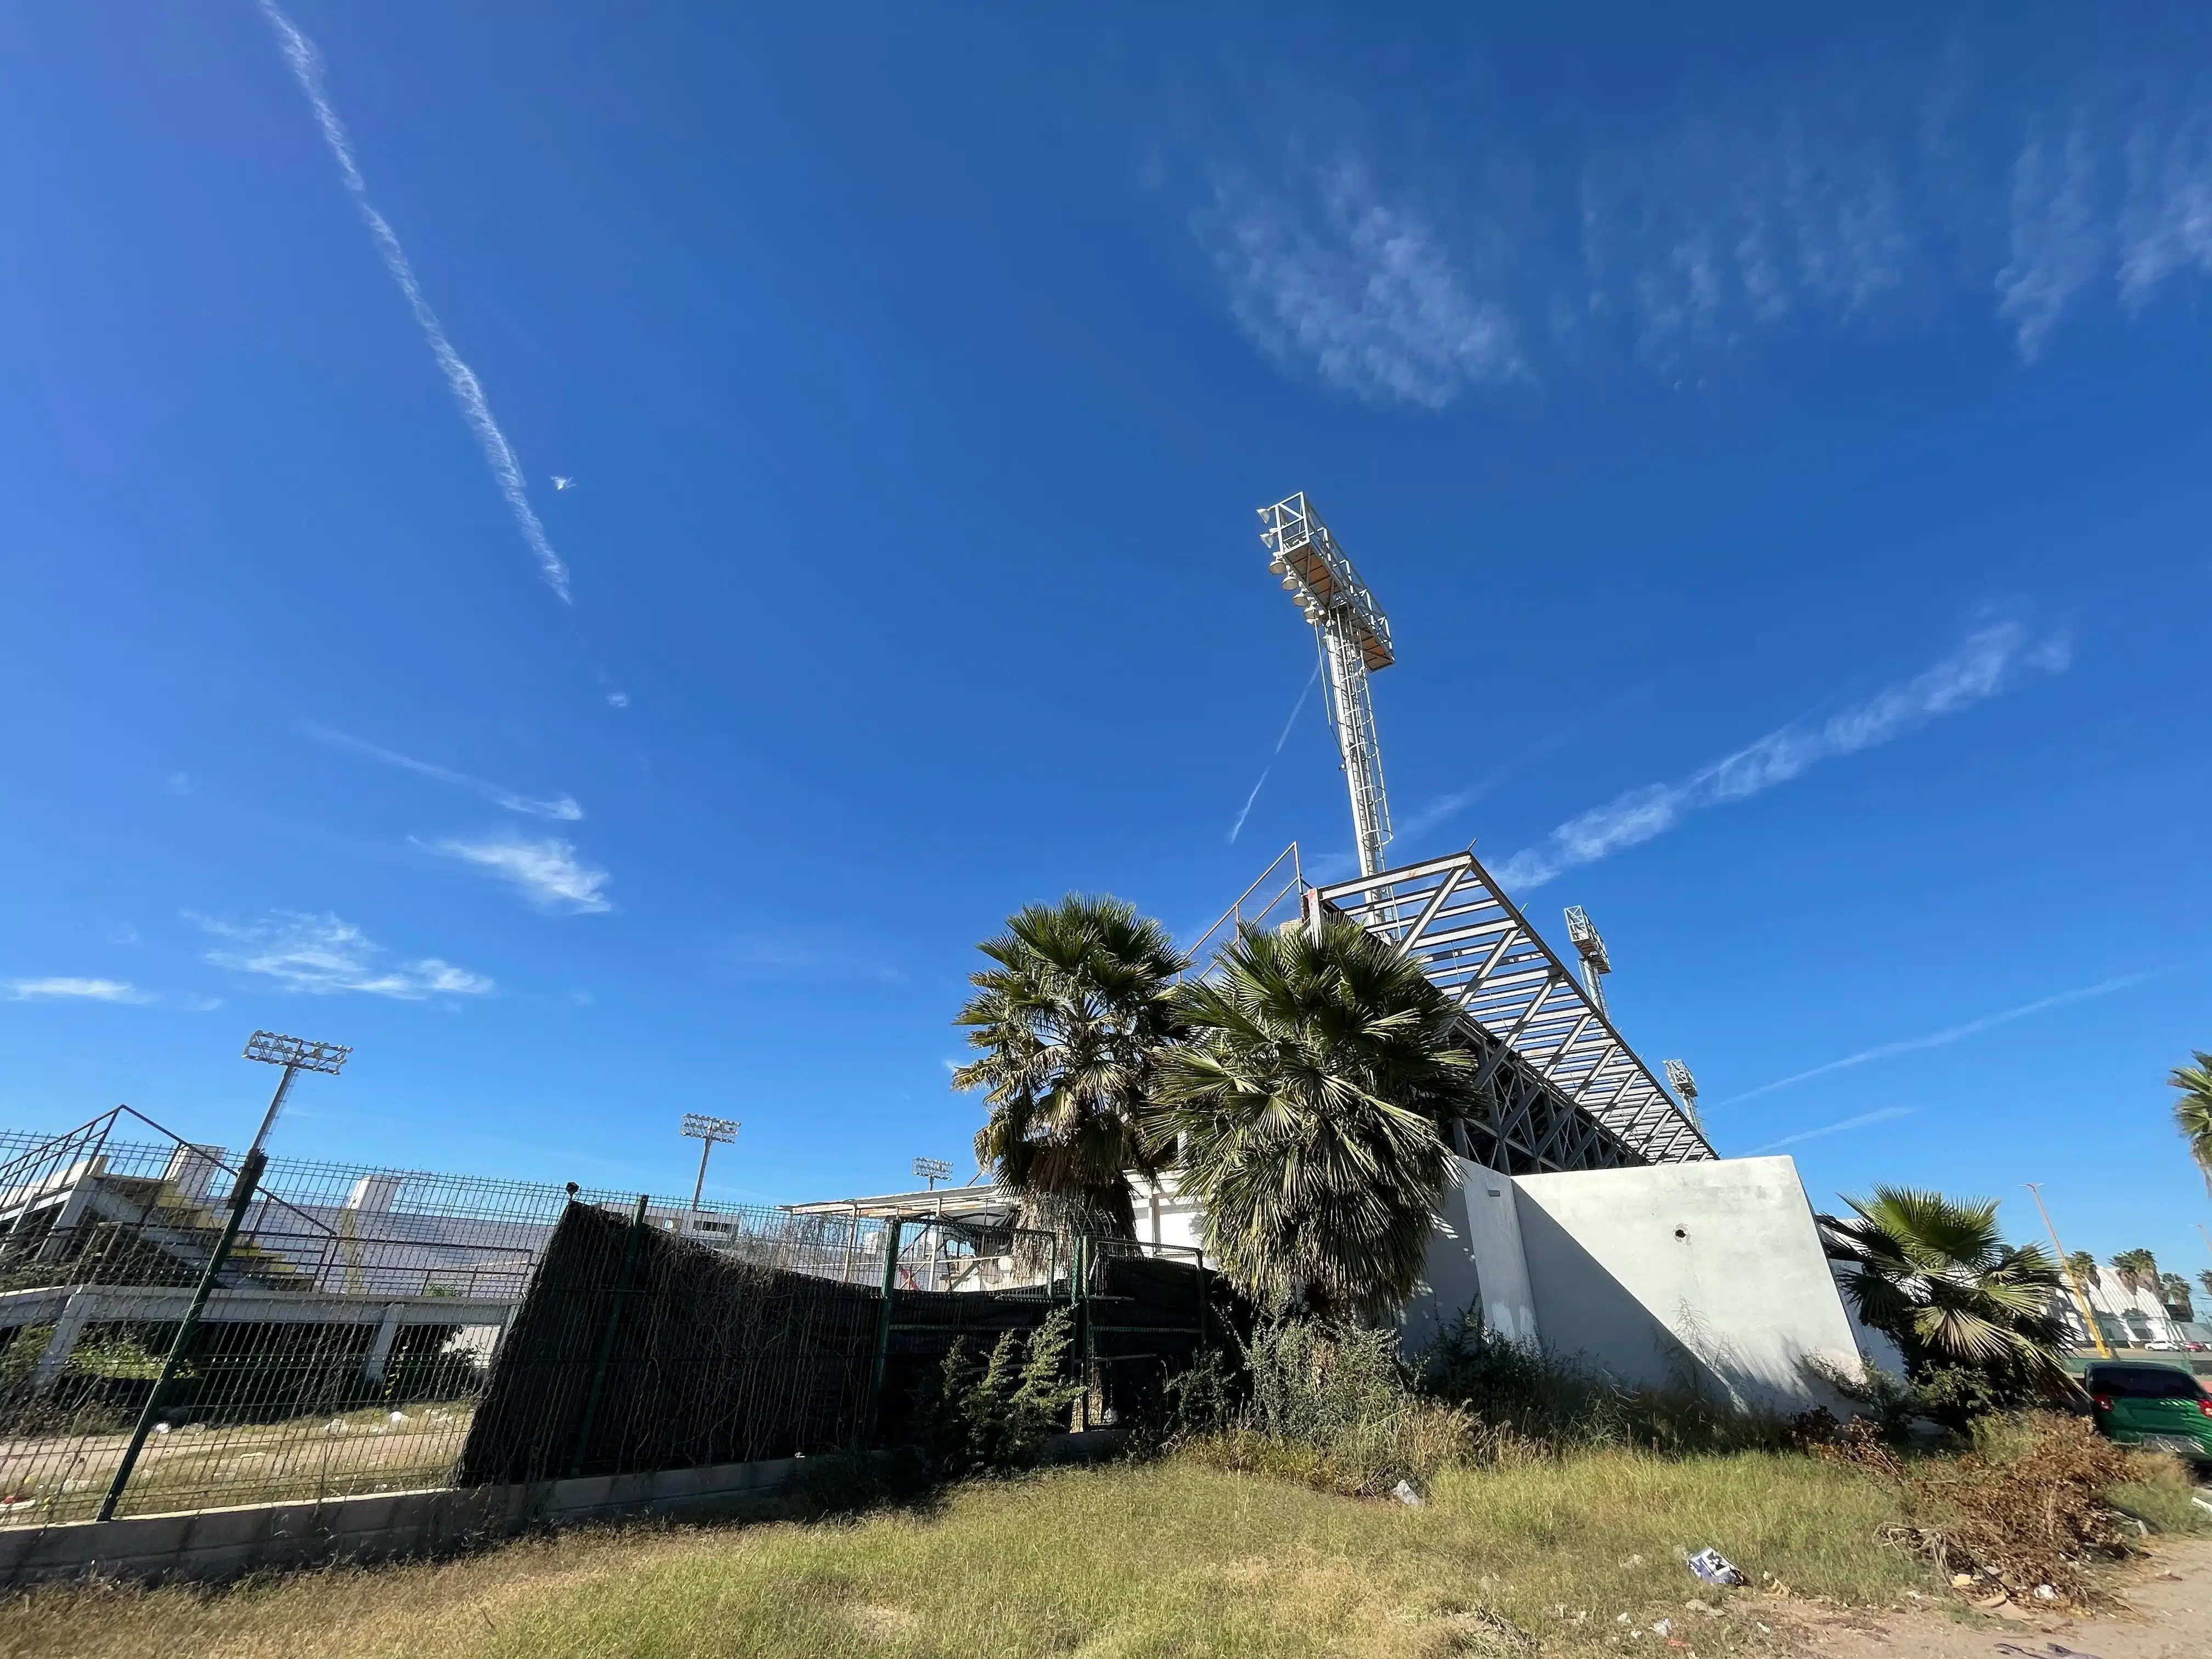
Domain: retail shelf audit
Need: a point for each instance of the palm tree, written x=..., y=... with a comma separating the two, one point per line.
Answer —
x=1937, y=1275
x=2204, y=1278
x=2083, y=1266
x=2136, y=1270
x=1307, y=1103
x=2193, y=1113
x=1069, y=1017
x=2173, y=1291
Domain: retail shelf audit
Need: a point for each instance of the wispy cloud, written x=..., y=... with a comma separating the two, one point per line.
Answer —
x=1949, y=1034
x=563, y=807
x=1427, y=818
x=1995, y=658
x=1678, y=246
x=1864, y=1120
x=67, y=989
x=1322, y=269
x=547, y=872
x=323, y=956
x=1297, y=709
x=468, y=392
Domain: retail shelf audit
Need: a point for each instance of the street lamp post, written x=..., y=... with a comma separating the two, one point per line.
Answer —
x=711, y=1132
x=294, y=1054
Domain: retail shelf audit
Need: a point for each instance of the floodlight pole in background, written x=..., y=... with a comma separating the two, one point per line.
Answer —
x=932, y=1170
x=1583, y=934
x=710, y=1132
x=294, y=1054
x=2081, y=1297
x=1686, y=1086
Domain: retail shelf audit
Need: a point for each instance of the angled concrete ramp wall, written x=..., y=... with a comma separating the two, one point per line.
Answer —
x=1709, y=1274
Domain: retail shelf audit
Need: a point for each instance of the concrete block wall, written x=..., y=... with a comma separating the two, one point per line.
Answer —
x=1475, y=1267
x=1708, y=1275
x=213, y=1545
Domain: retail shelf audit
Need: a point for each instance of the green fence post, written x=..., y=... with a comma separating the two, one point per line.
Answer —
x=1079, y=1290
x=249, y=1177
x=607, y=1339
x=883, y=1324
x=1205, y=1312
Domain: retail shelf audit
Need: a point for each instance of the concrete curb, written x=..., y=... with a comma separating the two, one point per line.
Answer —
x=216, y=1544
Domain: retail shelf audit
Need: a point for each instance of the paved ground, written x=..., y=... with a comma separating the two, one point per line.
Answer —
x=2168, y=1615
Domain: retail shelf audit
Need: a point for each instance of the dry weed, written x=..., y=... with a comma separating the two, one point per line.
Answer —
x=2024, y=1511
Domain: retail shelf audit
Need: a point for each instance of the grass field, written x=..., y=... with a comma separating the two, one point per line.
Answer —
x=1160, y=1558
x=62, y=1477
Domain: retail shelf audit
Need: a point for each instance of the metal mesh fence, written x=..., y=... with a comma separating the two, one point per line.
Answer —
x=377, y=1330
x=346, y=1344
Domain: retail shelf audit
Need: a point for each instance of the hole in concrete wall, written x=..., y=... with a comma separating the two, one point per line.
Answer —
x=1681, y=1232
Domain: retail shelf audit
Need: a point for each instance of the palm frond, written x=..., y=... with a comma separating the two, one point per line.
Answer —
x=1308, y=1102
x=1936, y=1274
x=1068, y=1019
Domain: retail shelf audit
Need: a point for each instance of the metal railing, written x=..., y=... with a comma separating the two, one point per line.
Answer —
x=347, y=1340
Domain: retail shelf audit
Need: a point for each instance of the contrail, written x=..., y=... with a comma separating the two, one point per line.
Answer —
x=468, y=392
x=1992, y=659
x=563, y=807
x=1952, y=1034
x=1864, y=1119
x=1237, y=828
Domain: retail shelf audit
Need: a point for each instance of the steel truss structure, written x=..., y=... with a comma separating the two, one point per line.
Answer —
x=1354, y=637
x=1562, y=1088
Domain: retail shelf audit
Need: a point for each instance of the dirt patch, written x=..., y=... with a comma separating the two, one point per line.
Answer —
x=2167, y=1614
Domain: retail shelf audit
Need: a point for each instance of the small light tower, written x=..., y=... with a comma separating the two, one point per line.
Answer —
x=295, y=1055
x=713, y=1132
x=932, y=1170
x=1583, y=934
x=1679, y=1079
x=1355, y=640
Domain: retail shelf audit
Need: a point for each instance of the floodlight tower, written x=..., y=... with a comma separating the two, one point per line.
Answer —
x=932, y=1170
x=713, y=1131
x=1678, y=1076
x=1354, y=637
x=295, y=1055
x=1583, y=934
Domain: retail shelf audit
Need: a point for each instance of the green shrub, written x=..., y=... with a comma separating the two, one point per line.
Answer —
x=1332, y=1405
x=21, y=1356
x=992, y=1418
x=1524, y=1401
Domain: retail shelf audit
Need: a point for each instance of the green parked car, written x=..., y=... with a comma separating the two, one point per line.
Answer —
x=2159, y=1406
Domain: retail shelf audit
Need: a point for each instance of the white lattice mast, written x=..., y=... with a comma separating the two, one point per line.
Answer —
x=1589, y=946
x=1355, y=640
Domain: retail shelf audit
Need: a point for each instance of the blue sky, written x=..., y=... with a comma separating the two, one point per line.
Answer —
x=1779, y=446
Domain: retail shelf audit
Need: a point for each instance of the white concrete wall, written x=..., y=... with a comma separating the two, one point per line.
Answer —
x=1878, y=1348
x=1164, y=1215
x=1707, y=1275
x=1474, y=1265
